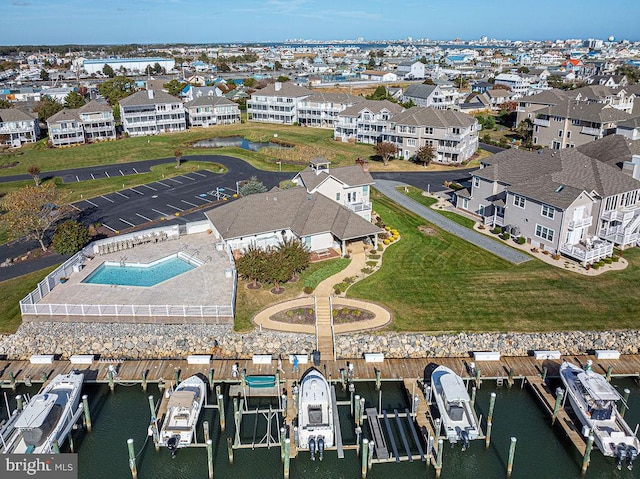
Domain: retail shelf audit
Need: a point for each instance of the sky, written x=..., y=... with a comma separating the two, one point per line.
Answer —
x=42, y=22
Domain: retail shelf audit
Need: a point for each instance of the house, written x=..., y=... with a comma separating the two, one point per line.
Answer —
x=191, y=92
x=18, y=127
x=277, y=103
x=519, y=85
x=97, y=121
x=629, y=128
x=612, y=81
x=266, y=219
x=561, y=201
x=380, y=76
x=453, y=135
x=207, y=111
x=411, y=70
x=65, y=128
x=322, y=109
x=498, y=96
x=365, y=122
x=349, y=186
x=428, y=95
x=150, y=112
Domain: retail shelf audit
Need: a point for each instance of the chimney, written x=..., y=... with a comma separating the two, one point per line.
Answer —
x=278, y=86
x=150, y=93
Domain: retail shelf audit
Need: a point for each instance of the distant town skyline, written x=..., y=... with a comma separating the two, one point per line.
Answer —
x=36, y=22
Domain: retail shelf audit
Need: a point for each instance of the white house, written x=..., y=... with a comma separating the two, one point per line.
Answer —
x=151, y=112
x=381, y=76
x=411, y=70
x=276, y=103
x=429, y=95
x=207, y=111
x=17, y=127
x=519, y=85
x=365, y=122
x=128, y=64
x=321, y=109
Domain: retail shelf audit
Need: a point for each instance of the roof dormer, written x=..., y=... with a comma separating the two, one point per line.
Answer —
x=319, y=165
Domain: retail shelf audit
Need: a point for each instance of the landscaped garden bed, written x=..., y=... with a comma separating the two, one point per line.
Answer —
x=306, y=315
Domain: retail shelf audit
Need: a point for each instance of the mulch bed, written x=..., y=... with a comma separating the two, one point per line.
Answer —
x=306, y=315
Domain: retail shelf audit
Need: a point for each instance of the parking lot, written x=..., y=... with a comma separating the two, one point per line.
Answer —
x=164, y=199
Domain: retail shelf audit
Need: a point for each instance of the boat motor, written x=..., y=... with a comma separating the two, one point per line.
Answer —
x=632, y=453
x=621, y=454
x=464, y=436
x=321, y=447
x=172, y=444
x=312, y=448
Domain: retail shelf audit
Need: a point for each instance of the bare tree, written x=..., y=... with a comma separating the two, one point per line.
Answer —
x=178, y=154
x=386, y=150
x=34, y=171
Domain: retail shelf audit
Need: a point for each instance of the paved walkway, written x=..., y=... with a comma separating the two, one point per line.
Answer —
x=388, y=188
x=322, y=293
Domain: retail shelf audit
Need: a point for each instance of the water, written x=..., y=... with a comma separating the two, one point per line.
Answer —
x=138, y=275
x=542, y=452
x=236, y=141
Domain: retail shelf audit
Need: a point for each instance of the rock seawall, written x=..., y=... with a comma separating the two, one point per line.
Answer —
x=146, y=341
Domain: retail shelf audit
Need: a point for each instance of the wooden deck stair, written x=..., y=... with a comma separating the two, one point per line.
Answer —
x=323, y=321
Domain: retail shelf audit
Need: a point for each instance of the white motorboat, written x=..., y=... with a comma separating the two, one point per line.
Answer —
x=183, y=409
x=315, y=413
x=458, y=417
x=47, y=417
x=593, y=401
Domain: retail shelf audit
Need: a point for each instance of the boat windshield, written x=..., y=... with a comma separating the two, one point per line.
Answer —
x=315, y=415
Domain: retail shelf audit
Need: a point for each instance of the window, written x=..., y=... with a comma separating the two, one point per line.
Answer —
x=476, y=181
x=428, y=130
x=338, y=196
x=548, y=211
x=519, y=201
x=555, y=145
x=560, y=133
x=544, y=232
x=568, y=133
x=465, y=203
x=365, y=190
x=351, y=197
x=535, y=140
x=411, y=142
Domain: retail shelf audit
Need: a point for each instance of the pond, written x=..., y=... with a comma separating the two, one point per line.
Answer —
x=237, y=141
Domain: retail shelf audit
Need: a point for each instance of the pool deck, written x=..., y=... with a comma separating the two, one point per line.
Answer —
x=178, y=291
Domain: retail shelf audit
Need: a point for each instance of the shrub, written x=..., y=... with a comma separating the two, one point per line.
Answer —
x=70, y=237
x=595, y=265
x=337, y=290
x=380, y=247
x=308, y=290
x=372, y=263
x=521, y=240
x=367, y=270
x=388, y=228
x=601, y=263
x=374, y=256
x=394, y=232
x=615, y=258
x=506, y=235
x=386, y=241
x=497, y=230
x=608, y=260
x=349, y=280
x=556, y=256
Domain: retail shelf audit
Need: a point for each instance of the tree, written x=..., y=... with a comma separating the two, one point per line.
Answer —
x=283, y=78
x=487, y=122
x=632, y=73
x=500, y=86
x=252, y=187
x=252, y=265
x=428, y=81
x=70, y=237
x=44, y=75
x=74, y=100
x=174, y=87
x=523, y=69
x=295, y=254
x=116, y=89
x=157, y=68
x=5, y=103
x=425, y=155
x=277, y=65
x=47, y=107
x=32, y=211
x=34, y=171
x=107, y=70
x=386, y=150
x=461, y=82
x=509, y=106
x=178, y=154
x=525, y=131
x=250, y=82
x=224, y=67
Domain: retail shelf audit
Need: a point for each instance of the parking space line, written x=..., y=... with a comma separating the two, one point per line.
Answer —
x=188, y=203
x=127, y=222
x=159, y=212
x=124, y=196
x=91, y=203
x=136, y=191
x=121, y=173
x=93, y=177
x=174, y=207
x=163, y=184
x=203, y=199
x=187, y=177
x=136, y=171
x=77, y=179
x=74, y=206
x=107, y=173
x=108, y=227
x=173, y=179
x=143, y=217
x=199, y=174
x=108, y=199
x=147, y=186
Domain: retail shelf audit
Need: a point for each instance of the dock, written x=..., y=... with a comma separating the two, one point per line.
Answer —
x=423, y=419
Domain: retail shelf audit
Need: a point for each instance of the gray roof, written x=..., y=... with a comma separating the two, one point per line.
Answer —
x=555, y=177
x=612, y=149
x=348, y=175
x=499, y=93
x=94, y=106
x=209, y=101
x=64, y=115
x=594, y=112
x=13, y=114
x=374, y=106
x=142, y=98
x=546, y=97
x=428, y=116
x=304, y=213
x=343, y=98
x=419, y=91
x=287, y=89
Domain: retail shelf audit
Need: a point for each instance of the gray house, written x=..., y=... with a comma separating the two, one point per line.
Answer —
x=17, y=127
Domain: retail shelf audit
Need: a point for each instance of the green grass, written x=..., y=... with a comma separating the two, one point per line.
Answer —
x=250, y=302
x=11, y=292
x=328, y=269
x=416, y=195
x=438, y=282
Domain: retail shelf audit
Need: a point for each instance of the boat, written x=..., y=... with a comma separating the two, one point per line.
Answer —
x=183, y=409
x=594, y=402
x=458, y=417
x=315, y=413
x=47, y=417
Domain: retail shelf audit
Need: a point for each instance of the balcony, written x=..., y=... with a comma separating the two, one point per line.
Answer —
x=453, y=137
x=448, y=149
x=623, y=215
x=541, y=122
x=581, y=223
x=585, y=130
x=359, y=207
x=593, y=250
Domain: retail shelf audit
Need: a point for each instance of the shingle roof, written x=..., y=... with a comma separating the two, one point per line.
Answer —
x=374, y=106
x=612, y=149
x=142, y=98
x=94, y=106
x=428, y=116
x=344, y=98
x=594, y=112
x=348, y=175
x=209, y=101
x=64, y=115
x=304, y=213
x=287, y=89
x=419, y=91
x=546, y=97
x=13, y=114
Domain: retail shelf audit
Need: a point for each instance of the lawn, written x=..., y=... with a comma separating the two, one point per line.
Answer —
x=437, y=282
x=11, y=292
x=416, y=195
x=250, y=302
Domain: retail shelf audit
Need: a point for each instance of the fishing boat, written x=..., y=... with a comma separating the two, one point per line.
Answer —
x=183, y=409
x=47, y=417
x=594, y=402
x=315, y=413
x=458, y=417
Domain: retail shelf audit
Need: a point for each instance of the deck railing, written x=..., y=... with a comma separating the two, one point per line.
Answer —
x=333, y=332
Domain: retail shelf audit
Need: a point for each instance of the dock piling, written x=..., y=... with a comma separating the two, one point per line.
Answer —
x=545, y=371
x=556, y=406
x=492, y=405
x=205, y=430
x=12, y=381
x=473, y=396
x=378, y=379
x=132, y=459
x=230, y=449
x=87, y=413
x=19, y=402
x=512, y=453
x=356, y=409
x=44, y=377
x=370, y=456
x=510, y=377
x=487, y=437
x=478, y=376
x=625, y=397
x=144, y=381
x=154, y=424
x=221, y=411
x=352, y=390
x=283, y=436
x=287, y=457
x=365, y=457
x=609, y=371
x=55, y=447
x=112, y=384
x=361, y=415
x=439, y=457
x=587, y=454
x=210, y=457
x=210, y=380
x=176, y=377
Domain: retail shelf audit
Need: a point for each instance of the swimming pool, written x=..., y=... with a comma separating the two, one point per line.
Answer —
x=139, y=274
